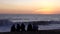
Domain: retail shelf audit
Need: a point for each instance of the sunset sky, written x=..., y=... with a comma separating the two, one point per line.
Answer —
x=29, y=6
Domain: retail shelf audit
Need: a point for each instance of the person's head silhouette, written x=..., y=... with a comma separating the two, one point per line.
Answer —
x=18, y=28
x=13, y=29
x=35, y=28
x=29, y=28
x=22, y=27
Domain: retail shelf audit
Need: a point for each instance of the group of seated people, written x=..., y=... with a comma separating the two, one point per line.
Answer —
x=21, y=27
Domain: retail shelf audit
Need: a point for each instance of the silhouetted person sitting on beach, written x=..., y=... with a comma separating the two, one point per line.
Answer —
x=35, y=28
x=22, y=27
x=18, y=28
x=29, y=28
x=13, y=29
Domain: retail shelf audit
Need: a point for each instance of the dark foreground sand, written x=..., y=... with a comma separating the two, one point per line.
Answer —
x=31, y=32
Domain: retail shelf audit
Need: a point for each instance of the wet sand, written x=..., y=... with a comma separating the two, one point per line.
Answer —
x=57, y=31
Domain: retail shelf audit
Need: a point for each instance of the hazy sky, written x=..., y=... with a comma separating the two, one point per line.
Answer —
x=29, y=6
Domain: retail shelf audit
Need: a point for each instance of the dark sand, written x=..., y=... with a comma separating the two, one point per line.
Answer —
x=57, y=31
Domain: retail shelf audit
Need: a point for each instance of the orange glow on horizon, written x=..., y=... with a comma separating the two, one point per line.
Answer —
x=46, y=7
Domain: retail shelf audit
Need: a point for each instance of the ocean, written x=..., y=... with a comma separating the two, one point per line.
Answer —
x=31, y=17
